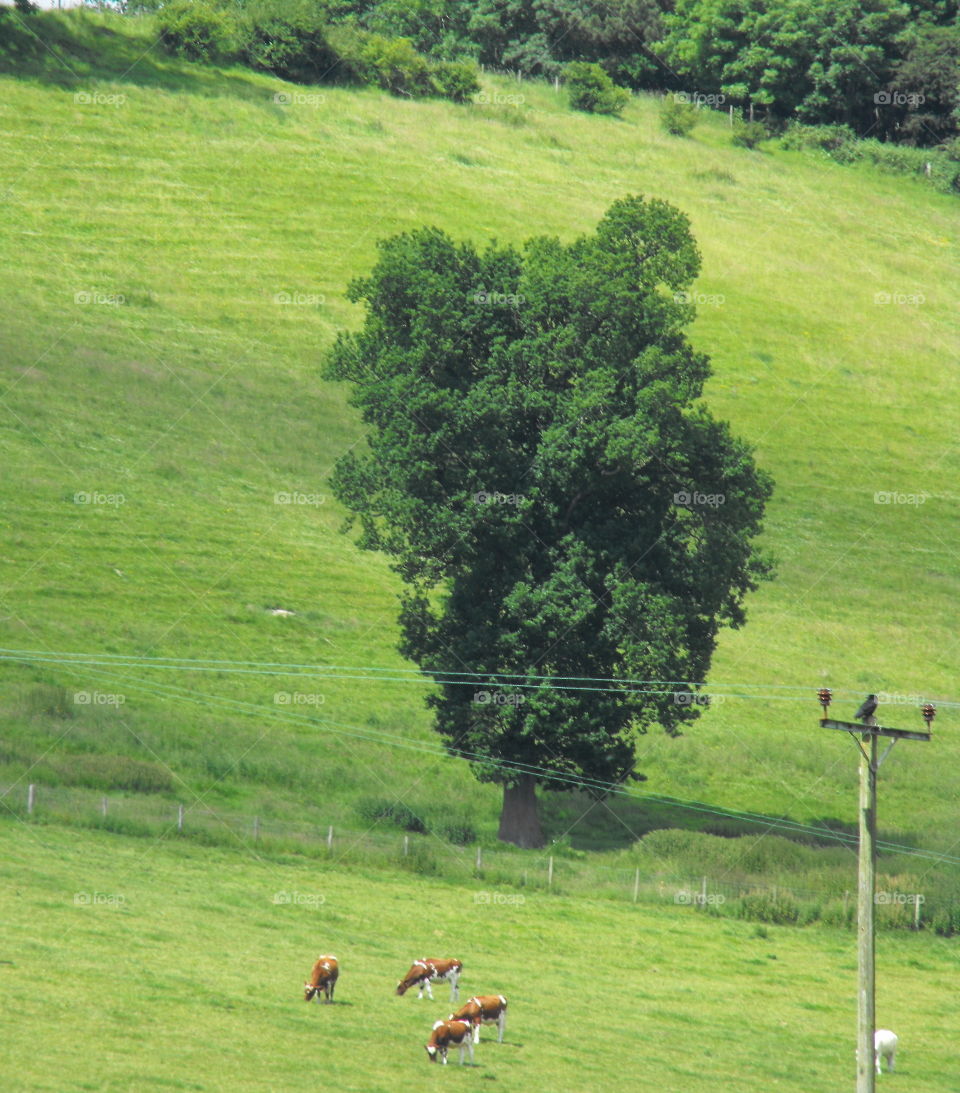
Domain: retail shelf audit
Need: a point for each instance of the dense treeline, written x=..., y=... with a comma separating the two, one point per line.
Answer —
x=889, y=69
x=307, y=43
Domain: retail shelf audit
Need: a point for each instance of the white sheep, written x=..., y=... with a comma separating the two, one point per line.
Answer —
x=884, y=1047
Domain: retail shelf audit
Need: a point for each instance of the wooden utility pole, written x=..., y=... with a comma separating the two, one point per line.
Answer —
x=866, y=886
x=866, y=736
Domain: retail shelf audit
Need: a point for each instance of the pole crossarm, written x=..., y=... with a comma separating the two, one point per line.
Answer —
x=873, y=730
x=866, y=735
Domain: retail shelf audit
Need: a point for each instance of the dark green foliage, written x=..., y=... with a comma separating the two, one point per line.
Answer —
x=537, y=37
x=395, y=65
x=748, y=134
x=921, y=103
x=883, y=67
x=290, y=40
x=815, y=60
x=197, y=31
x=455, y=80
x=677, y=117
x=399, y=814
x=591, y=89
x=532, y=436
x=838, y=141
x=297, y=41
x=460, y=833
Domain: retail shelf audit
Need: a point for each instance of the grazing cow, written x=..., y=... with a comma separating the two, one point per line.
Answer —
x=422, y=971
x=483, y=1009
x=322, y=978
x=446, y=1034
x=884, y=1047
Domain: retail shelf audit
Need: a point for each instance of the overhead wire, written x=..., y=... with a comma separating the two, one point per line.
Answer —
x=427, y=677
x=374, y=736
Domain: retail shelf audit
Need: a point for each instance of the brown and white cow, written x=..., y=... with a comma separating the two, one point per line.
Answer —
x=322, y=978
x=422, y=971
x=483, y=1009
x=447, y=1034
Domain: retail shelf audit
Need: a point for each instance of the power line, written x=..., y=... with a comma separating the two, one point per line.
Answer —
x=378, y=737
x=373, y=674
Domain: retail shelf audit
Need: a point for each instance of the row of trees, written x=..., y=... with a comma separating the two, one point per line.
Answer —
x=887, y=68
x=297, y=40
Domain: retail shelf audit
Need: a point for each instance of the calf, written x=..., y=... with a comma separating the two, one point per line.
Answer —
x=322, y=978
x=422, y=971
x=483, y=1009
x=446, y=1034
x=884, y=1047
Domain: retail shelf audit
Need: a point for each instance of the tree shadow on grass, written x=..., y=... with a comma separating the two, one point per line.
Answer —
x=73, y=49
x=618, y=822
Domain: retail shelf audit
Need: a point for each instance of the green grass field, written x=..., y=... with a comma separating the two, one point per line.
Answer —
x=176, y=246
x=155, y=966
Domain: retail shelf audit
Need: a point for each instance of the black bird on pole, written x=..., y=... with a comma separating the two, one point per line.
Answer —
x=867, y=709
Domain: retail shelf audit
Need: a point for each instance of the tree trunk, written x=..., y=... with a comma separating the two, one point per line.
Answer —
x=519, y=820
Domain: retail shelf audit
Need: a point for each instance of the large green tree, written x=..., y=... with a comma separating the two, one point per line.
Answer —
x=811, y=60
x=563, y=511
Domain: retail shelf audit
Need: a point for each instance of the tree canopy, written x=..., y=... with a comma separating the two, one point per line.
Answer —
x=563, y=511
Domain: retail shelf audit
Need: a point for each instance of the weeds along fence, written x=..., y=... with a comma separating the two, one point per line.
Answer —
x=498, y=876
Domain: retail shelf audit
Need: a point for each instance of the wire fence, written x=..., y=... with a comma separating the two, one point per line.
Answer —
x=499, y=876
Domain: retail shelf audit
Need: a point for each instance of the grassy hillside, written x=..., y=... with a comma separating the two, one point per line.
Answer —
x=142, y=967
x=176, y=246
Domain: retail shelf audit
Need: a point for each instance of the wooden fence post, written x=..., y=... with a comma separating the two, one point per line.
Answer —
x=31, y=798
x=406, y=845
x=636, y=885
x=330, y=837
x=179, y=817
x=550, y=872
x=479, y=859
x=103, y=806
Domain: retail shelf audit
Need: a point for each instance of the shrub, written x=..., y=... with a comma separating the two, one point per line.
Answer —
x=946, y=921
x=591, y=89
x=677, y=117
x=293, y=46
x=395, y=65
x=748, y=134
x=460, y=833
x=373, y=809
x=197, y=31
x=777, y=908
x=455, y=80
x=838, y=141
